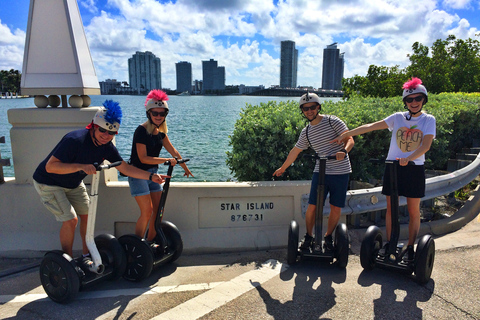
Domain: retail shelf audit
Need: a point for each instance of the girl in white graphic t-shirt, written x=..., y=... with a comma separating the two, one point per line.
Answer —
x=412, y=134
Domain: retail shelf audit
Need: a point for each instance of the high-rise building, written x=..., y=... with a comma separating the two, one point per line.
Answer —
x=213, y=76
x=288, y=64
x=144, y=72
x=184, y=76
x=333, y=66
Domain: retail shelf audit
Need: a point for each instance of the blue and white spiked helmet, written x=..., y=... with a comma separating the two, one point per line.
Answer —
x=109, y=117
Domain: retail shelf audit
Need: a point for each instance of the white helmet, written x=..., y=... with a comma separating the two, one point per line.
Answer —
x=156, y=99
x=309, y=97
x=414, y=86
x=109, y=116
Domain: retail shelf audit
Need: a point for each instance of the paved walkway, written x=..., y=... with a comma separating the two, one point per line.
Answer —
x=260, y=285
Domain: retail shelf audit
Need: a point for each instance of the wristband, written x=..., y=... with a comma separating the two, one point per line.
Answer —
x=344, y=150
x=150, y=177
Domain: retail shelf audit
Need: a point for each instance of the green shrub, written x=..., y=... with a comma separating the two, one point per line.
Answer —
x=264, y=134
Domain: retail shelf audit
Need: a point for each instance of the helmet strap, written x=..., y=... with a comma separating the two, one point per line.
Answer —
x=410, y=113
x=153, y=123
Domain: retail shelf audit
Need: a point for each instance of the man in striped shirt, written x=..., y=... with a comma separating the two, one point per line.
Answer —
x=317, y=134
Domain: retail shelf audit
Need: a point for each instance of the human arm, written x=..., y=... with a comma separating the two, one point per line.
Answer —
x=348, y=143
x=292, y=156
x=134, y=172
x=379, y=125
x=171, y=149
x=425, y=146
x=54, y=165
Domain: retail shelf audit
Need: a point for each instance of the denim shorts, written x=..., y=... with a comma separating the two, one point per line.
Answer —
x=64, y=203
x=140, y=187
x=335, y=184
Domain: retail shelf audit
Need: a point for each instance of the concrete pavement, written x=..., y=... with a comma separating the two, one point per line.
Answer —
x=260, y=285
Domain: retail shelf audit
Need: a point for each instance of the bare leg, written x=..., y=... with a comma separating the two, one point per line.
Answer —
x=333, y=219
x=67, y=235
x=83, y=232
x=413, y=205
x=310, y=218
x=155, y=198
x=145, y=204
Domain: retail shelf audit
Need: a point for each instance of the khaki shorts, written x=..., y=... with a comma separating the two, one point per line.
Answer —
x=64, y=203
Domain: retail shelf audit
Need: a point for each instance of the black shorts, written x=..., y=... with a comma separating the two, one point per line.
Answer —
x=411, y=181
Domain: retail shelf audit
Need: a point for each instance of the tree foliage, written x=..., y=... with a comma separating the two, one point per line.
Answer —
x=10, y=80
x=451, y=65
x=264, y=134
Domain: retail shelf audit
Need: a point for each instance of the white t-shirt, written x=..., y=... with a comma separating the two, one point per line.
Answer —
x=320, y=136
x=407, y=135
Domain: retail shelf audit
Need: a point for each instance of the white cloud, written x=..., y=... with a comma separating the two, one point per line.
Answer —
x=245, y=35
x=11, y=48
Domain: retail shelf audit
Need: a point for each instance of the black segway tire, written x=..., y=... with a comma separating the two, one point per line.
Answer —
x=112, y=255
x=59, y=277
x=341, y=245
x=371, y=244
x=424, y=259
x=292, y=243
x=174, y=239
x=139, y=257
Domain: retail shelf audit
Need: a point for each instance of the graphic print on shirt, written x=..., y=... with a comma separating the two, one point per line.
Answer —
x=409, y=139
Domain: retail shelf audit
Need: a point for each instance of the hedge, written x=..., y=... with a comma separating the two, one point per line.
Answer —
x=265, y=133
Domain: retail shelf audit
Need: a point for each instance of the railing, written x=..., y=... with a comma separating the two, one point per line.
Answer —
x=3, y=162
x=370, y=200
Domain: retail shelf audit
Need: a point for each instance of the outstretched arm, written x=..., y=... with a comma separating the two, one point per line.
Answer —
x=379, y=125
x=292, y=156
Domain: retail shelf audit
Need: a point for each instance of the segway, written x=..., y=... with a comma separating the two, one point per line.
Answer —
x=143, y=257
x=63, y=276
x=422, y=265
x=341, y=241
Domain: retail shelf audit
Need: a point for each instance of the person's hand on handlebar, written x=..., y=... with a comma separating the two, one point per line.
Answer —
x=159, y=178
x=88, y=168
x=341, y=155
x=403, y=161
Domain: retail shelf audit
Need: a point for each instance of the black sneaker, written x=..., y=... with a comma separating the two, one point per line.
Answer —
x=328, y=243
x=306, y=242
x=409, y=256
x=86, y=263
x=383, y=251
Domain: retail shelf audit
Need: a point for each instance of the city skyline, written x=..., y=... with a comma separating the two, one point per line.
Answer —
x=245, y=35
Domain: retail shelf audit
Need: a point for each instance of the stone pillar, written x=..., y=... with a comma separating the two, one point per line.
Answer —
x=35, y=132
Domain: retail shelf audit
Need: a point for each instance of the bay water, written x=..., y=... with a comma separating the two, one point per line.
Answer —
x=199, y=128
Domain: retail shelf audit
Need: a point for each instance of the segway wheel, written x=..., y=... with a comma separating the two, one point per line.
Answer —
x=139, y=258
x=371, y=244
x=174, y=239
x=112, y=253
x=59, y=277
x=424, y=258
x=292, y=243
x=341, y=245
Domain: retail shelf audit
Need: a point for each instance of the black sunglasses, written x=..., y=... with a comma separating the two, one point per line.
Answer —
x=102, y=130
x=410, y=100
x=156, y=114
x=310, y=108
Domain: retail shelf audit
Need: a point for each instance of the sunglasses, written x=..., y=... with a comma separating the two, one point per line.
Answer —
x=310, y=108
x=102, y=130
x=156, y=114
x=410, y=100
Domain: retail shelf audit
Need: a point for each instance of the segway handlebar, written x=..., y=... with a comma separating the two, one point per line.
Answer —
x=179, y=161
x=380, y=161
x=106, y=166
x=316, y=156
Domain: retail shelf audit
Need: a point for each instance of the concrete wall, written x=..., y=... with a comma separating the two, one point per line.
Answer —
x=221, y=216
x=202, y=211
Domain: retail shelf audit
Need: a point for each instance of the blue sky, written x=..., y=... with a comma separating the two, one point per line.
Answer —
x=245, y=35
